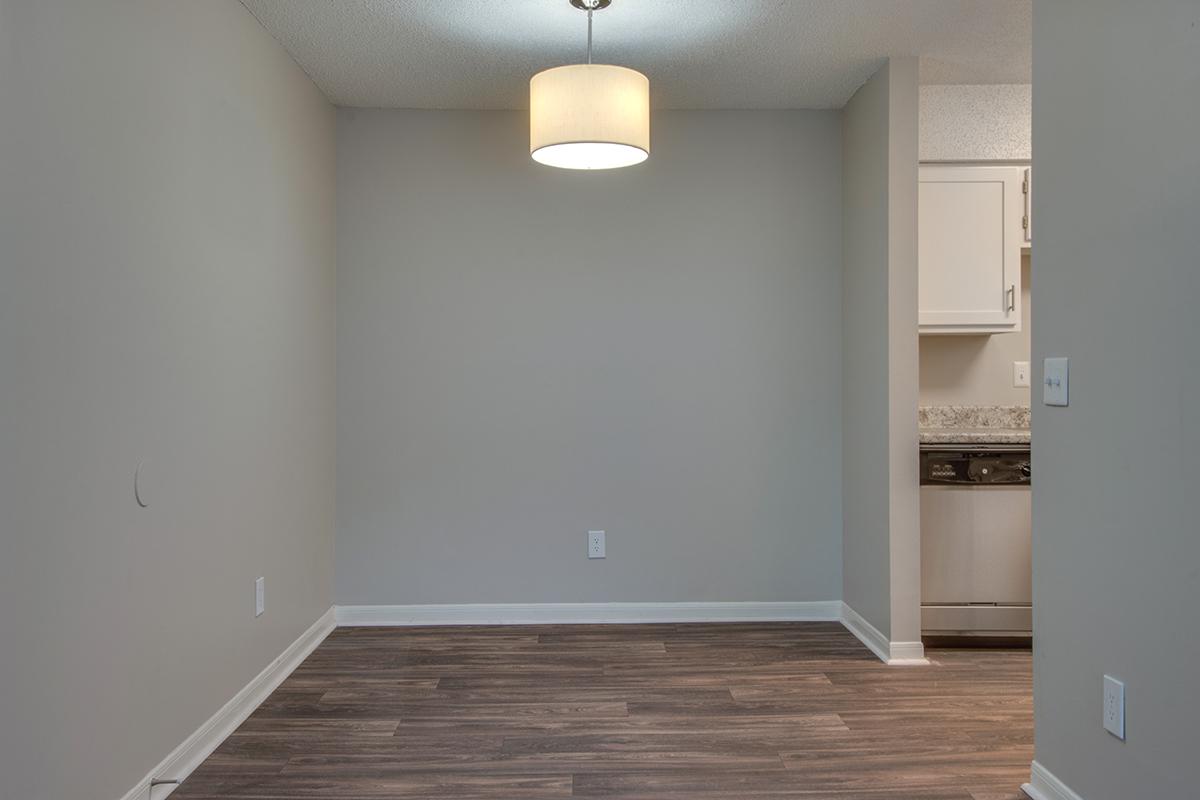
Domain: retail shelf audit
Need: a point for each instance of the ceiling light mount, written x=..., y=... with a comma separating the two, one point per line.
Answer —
x=591, y=5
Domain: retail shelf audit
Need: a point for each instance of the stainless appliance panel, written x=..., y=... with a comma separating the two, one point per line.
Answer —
x=976, y=620
x=976, y=544
x=976, y=541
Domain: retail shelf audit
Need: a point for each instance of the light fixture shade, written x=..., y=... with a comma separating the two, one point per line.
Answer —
x=589, y=116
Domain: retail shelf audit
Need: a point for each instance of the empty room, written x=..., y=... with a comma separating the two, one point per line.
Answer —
x=625, y=399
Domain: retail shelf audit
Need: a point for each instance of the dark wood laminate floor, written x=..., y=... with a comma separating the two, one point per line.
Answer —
x=781, y=710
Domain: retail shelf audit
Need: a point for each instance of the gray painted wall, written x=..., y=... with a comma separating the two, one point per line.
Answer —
x=880, y=548
x=1116, y=551
x=865, y=545
x=903, y=375
x=525, y=354
x=166, y=292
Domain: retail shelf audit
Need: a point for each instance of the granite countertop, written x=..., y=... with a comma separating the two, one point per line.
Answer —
x=973, y=424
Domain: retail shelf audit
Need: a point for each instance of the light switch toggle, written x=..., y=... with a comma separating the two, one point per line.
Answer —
x=1055, y=382
x=1021, y=374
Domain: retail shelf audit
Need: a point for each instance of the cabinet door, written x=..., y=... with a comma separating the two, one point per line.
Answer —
x=969, y=249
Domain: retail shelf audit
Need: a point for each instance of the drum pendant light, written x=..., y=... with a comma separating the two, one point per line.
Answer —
x=589, y=116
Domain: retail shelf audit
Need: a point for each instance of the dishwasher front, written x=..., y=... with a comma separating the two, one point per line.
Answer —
x=976, y=542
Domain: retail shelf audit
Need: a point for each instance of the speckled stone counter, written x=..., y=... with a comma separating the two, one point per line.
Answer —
x=973, y=424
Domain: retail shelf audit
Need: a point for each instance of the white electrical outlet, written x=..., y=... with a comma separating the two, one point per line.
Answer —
x=1020, y=374
x=595, y=544
x=260, y=596
x=1114, y=707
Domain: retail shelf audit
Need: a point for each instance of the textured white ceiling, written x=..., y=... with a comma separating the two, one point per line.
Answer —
x=697, y=53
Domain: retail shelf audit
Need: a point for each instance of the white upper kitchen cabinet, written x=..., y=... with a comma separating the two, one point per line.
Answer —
x=969, y=250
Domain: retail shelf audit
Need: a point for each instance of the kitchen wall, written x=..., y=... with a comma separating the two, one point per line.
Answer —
x=978, y=370
x=525, y=354
x=976, y=123
x=166, y=293
x=881, y=534
x=1116, y=551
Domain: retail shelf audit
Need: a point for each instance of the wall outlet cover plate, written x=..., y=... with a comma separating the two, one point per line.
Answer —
x=595, y=544
x=1020, y=374
x=1054, y=382
x=1114, y=707
x=260, y=596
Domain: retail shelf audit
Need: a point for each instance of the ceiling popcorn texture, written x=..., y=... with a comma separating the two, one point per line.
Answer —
x=480, y=54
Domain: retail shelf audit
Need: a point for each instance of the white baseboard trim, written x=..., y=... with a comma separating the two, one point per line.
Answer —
x=896, y=654
x=587, y=613
x=867, y=633
x=197, y=747
x=907, y=654
x=1044, y=785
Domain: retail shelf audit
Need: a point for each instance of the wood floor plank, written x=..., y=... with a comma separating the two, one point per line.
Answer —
x=629, y=712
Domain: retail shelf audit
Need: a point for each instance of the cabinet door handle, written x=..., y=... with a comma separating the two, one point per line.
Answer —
x=1012, y=297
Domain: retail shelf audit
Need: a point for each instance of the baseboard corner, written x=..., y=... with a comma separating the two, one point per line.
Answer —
x=1045, y=785
x=894, y=654
x=906, y=654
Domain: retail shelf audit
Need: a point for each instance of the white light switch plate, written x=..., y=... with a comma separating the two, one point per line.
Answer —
x=595, y=544
x=1054, y=382
x=260, y=596
x=1114, y=707
x=1020, y=374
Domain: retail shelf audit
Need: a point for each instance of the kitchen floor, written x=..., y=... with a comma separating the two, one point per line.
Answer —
x=779, y=710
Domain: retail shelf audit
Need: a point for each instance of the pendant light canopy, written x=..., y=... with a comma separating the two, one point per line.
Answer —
x=589, y=116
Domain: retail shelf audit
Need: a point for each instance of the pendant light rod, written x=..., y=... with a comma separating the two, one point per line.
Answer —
x=589, y=6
